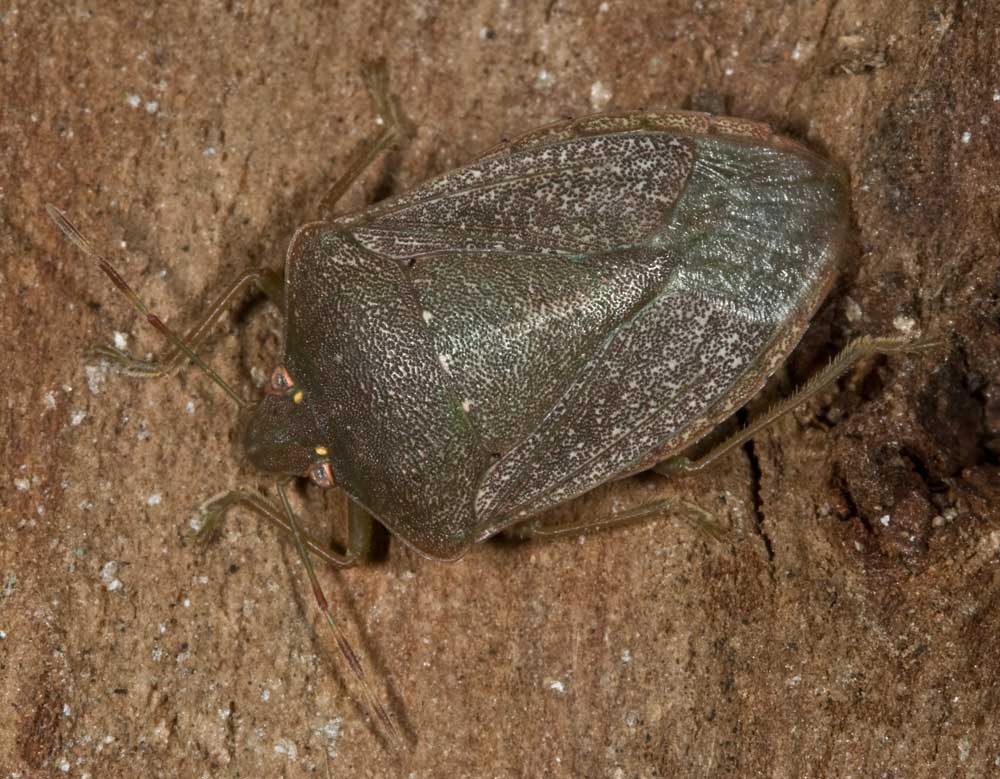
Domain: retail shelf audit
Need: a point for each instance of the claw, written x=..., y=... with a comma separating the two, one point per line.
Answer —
x=125, y=362
x=705, y=523
x=673, y=465
x=209, y=515
x=209, y=525
x=108, y=352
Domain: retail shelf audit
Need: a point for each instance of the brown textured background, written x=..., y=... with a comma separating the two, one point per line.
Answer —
x=849, y=629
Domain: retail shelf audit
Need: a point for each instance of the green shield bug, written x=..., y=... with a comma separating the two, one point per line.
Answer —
x=572, y=307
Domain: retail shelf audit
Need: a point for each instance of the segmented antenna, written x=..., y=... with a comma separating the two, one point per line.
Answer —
x=81, y=243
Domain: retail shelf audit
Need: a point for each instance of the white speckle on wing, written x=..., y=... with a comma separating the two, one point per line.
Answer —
x=428, y=316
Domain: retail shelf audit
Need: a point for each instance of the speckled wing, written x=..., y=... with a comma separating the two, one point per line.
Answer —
x=576, y=198
x=581, y=303
x=437, y=328
x=523, y=262
x=755, y=239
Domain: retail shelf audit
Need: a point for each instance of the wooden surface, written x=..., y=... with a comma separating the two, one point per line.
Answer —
x=849, y=626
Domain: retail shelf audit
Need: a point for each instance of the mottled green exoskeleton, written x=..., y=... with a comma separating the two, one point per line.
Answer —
x=569, y=309
x=572, y=307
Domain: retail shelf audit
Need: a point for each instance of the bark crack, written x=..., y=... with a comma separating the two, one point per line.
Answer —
x=758, y=504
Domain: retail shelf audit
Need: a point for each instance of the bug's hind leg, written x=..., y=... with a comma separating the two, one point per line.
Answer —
x=271, y=283
x=699, y=519
x=857, y=349
x=360, y=525
x=394, y=128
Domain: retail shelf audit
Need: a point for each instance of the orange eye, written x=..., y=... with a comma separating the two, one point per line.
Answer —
x=321, y=474
x=281, y=381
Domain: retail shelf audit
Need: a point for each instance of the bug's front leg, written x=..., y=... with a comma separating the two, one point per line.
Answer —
x=271, y=283
x=394, y=128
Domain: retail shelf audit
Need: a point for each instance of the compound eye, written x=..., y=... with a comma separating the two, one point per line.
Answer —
x=321, y=475
x=281, y=381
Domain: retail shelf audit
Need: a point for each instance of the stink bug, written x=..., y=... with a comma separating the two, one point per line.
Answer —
x=572, y=307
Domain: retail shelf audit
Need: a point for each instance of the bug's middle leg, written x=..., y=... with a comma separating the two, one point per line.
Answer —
x=394, y=128
x=360, y=525
x=700, y=519
x=169, y=362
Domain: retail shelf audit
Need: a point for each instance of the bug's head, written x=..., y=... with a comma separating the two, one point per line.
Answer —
x=280, y=435
x=279, y=432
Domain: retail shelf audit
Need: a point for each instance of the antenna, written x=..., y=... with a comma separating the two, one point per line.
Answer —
x=70, y=231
